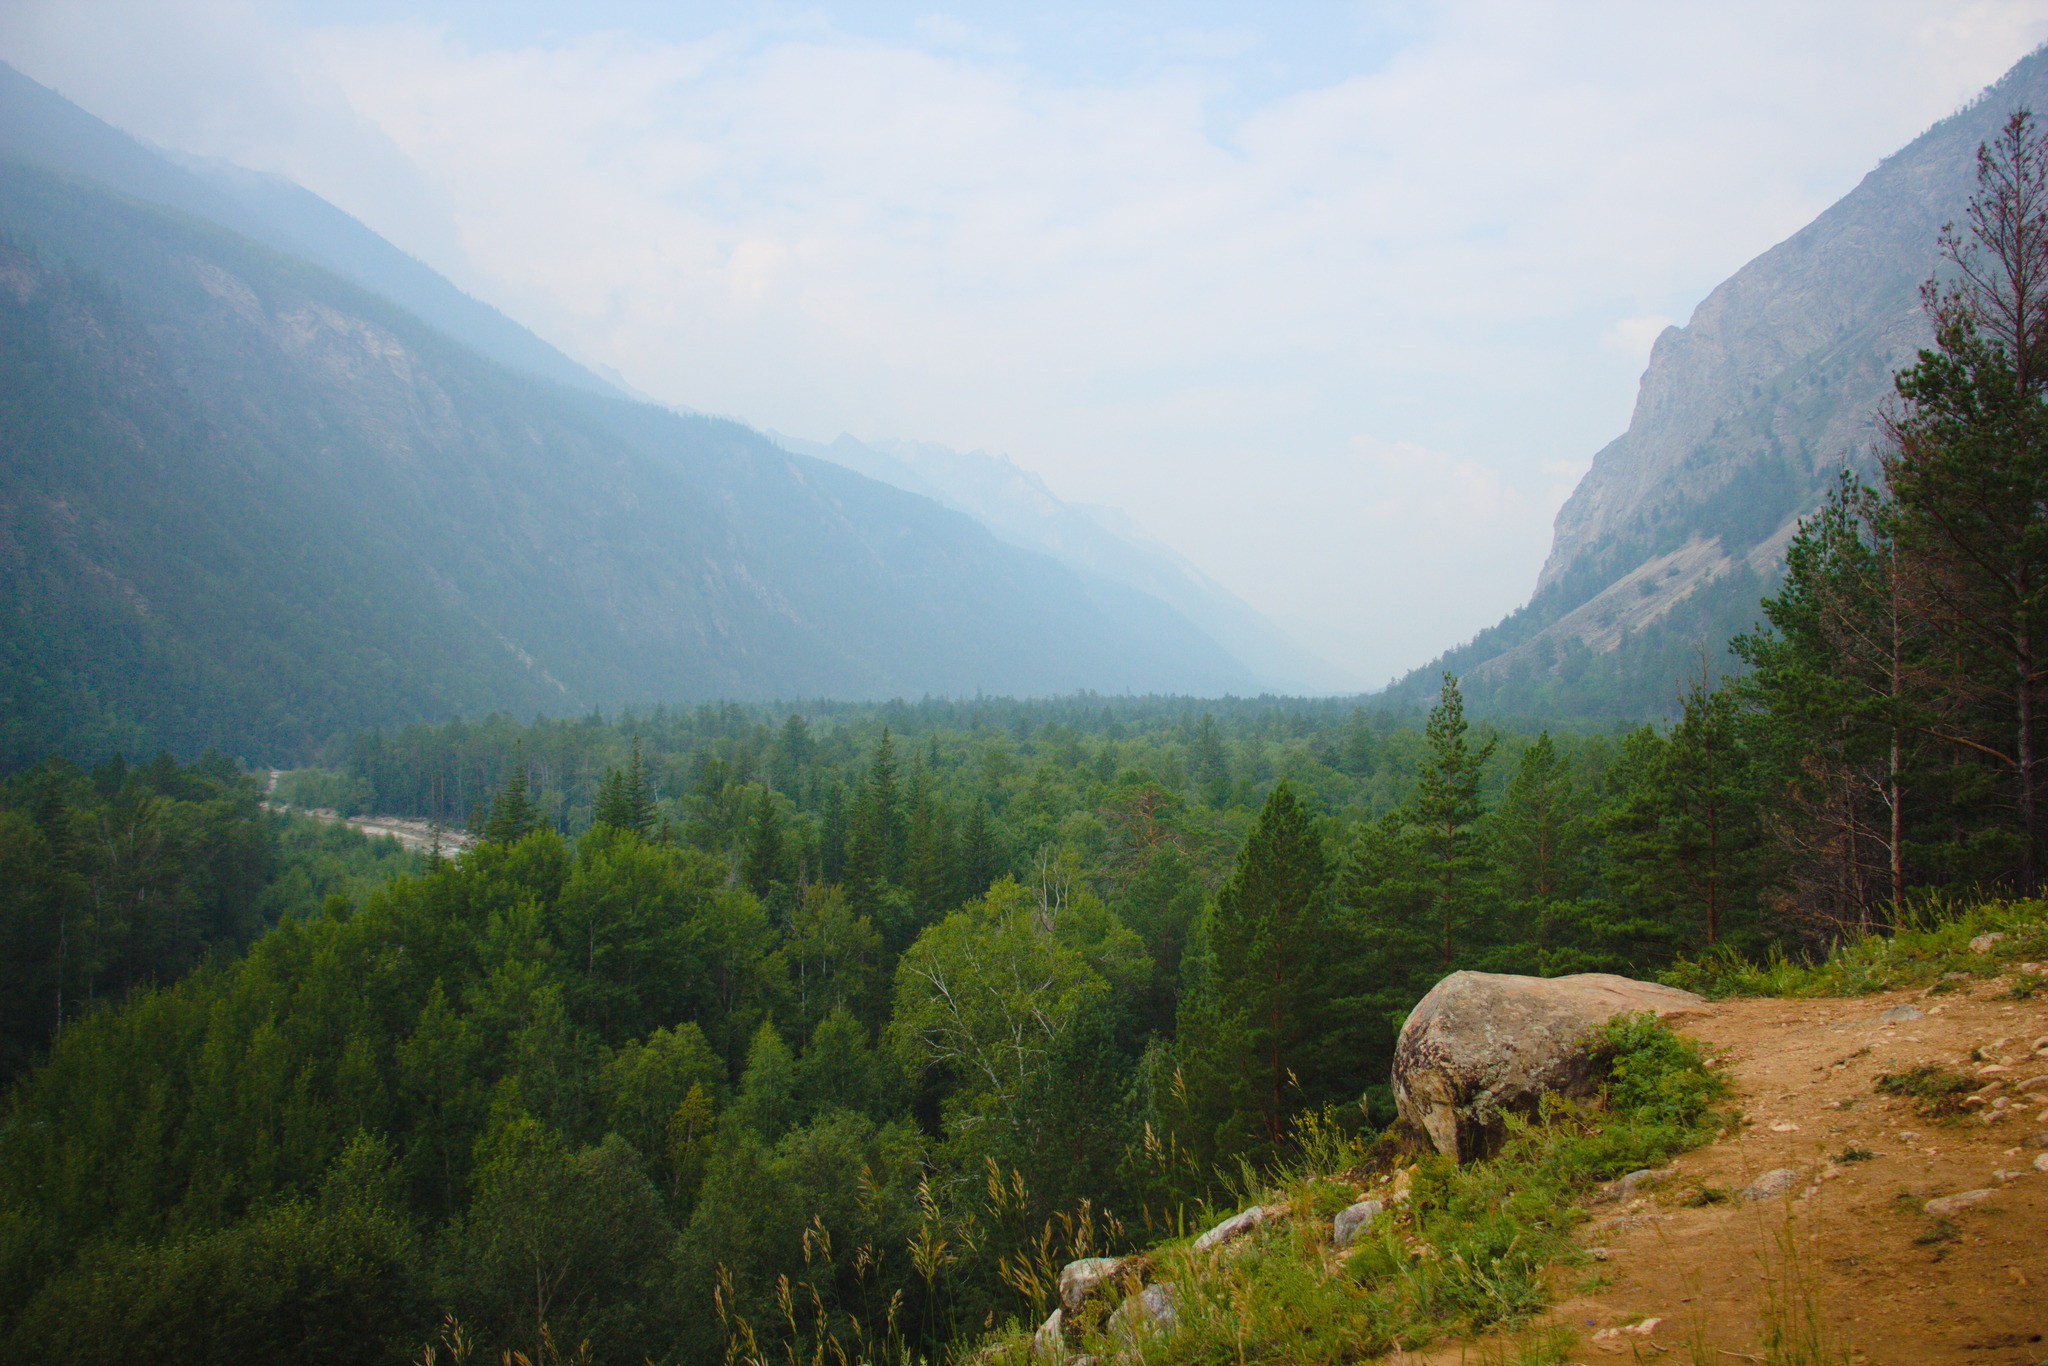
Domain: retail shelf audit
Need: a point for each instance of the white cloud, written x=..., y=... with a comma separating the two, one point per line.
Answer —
x=1343, y=343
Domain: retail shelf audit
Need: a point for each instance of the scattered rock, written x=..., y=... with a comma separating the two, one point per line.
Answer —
x=1784, y=1126
x=1951, y=1204
x=1650, y=1177
x=1236, y=1226
x=1899, y=1014
x=1599, y=1254
x=1984, y=943
x=2031, y=1083
x=1080, y=1279
x=1153, y=1310
x=1771, y=1184
x=1481, y=1045
x=2003, y=1175
x=1352, y=1220
x=2041, y=1162
x=1642, y=1330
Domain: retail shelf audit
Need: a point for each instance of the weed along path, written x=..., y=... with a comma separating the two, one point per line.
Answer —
x=1848, y=1256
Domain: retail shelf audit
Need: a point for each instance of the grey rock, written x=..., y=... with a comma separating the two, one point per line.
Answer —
x=1351, y=1220
x=1080, y=1279
x=1482, y=1045
x=1233, y=1228
x=1771, y=1184
x=1899, y=1014
x=1049, y=1343
x=1984, y=943
x=1152, y=1312
x=2039, y=1140
x=1952, y=1204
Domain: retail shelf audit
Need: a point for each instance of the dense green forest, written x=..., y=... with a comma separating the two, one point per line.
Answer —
x=123, y=876
x=743, y=1025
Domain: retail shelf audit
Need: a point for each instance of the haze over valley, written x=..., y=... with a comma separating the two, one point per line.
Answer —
x=709, y=685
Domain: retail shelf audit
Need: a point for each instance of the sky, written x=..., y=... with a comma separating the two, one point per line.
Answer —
x=1337, y=300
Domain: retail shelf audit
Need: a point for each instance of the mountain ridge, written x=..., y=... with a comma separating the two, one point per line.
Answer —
x=259, y=505
x=1742, y=419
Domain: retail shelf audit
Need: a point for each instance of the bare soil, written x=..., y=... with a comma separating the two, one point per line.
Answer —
x=1890, y=1282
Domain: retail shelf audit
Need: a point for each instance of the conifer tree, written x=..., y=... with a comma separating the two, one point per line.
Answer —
x=625, y=800
x=1537, y=844
x=1446, y=813
x=513, y=814
x=1967, y=475
x=1271, y=938
x=766, y=854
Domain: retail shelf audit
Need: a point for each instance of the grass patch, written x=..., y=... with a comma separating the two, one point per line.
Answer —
x=1848, y=1155
x=1936, y=1092
x=1931, y=941
x=1467, y=1250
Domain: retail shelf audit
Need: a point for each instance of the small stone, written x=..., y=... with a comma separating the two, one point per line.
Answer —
x=1952, y=1204
x=1771, y=1184
x=1993, y=1069
x=1784, y=1126
x=2041, y=1044
x=1599, y=1254
x=1352, y=1219
x=1899, y=1014
x=2041, y=1162
x=1984, y=943
x=2003, y=1174
x=1650, y=1177
x=2031, y=1083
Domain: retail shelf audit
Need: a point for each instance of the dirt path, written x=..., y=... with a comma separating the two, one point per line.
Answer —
x=1894, y=1283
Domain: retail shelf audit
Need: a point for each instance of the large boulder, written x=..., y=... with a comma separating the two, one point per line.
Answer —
x=1483, y=1045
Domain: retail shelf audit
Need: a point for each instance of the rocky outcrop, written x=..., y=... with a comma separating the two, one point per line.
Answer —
x=1745, y=414
x=1484, y=1045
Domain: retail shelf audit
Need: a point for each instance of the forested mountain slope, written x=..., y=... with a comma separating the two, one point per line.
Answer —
x=249, y=504
x=1743, y=419
x=41, y=128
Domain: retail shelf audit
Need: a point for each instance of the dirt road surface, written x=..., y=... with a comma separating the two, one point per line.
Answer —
x=1893, y=1283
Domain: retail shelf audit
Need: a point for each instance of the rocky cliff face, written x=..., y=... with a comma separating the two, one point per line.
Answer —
x=1743, y=417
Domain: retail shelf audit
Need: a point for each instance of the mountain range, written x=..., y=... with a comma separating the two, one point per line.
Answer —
x=270, y=479
x=1743, y=419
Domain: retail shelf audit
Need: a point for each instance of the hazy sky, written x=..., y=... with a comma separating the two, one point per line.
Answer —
x=1336, y=299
